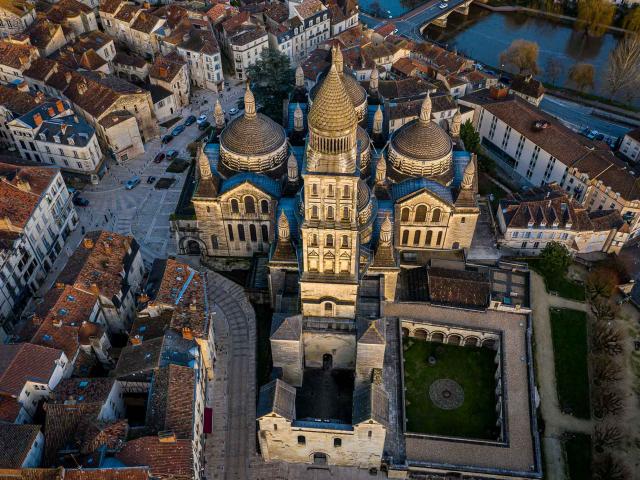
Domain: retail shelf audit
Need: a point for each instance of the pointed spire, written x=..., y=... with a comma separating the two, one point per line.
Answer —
x=425, y=111
x=385, y=232
x=249, y=103
x=283, y=227
x=381, y=170
x=218, y=114
x=299, y=77
x=292, y=168
x=377, y=121
x=456, y=123
x=469, y=175
x=337, y=59
x=373, y=83
x=203, y=165
x=298, y=119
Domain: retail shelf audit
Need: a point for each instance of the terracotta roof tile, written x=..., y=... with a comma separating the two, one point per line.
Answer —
x=15, y=443
x=165, y=460
x=23, y=362
x=172, y=401
x=16, y=55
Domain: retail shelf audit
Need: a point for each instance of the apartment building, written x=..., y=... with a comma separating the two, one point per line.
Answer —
x=15, y=58
x=537, y=149
x=199, y=48
x=243, y=41
x=73, y=16
x=630, y=145
x=14, y=103
x=52, y=133
x=171, y=73
x=132, y=25
x=15, y=17
x=343, y=15
x=37, y=216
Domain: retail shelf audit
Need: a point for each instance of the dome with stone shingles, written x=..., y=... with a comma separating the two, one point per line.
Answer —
x=422, y=148
x=253, y=142
x=332, y=111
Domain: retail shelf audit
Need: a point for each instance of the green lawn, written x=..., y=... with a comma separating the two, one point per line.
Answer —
x=569, y=334
x=577, y=451
x=561, y=285
x=473, y=368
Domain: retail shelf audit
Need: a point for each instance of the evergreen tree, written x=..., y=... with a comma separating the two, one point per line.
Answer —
x=271, y=81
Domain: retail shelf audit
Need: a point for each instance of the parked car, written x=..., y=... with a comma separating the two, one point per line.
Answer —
x=204, y=125
x=167, y=138
x=201, y=119
x=233, y=111
x=178, y=130
x=190, y=120
x=132, y=183
x=171, y=154
x=159, y=157
x=151, y=179
x=80, y=202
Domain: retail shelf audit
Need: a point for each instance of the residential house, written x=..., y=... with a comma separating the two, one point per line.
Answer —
x=104, y=392
x=171, y=73
x=15, y=58
x=30, y=372
x=529, y=220
x=164, y=103
x=14, y=103
x=133, y=69
x=52, y=133
x=16, y=16
x=166, y=456
x=21, y=446
x=527, y=87
x=200, y=50
x=37, y=218
x=343, y=15
x=108, y=265
x=630, y=145
x=48, y=37
x=73, y=15
x=243, y=41
x=93, y=51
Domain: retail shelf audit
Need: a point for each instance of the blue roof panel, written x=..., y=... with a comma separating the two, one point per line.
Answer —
x=460, y=161
x=412, y=185
x=260, y=181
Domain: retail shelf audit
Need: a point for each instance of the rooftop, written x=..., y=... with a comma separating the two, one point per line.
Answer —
x=83, y=390
x=16, y=442
x=16, y=55
x=164, y=459
x=24, y=362
x=171, y=405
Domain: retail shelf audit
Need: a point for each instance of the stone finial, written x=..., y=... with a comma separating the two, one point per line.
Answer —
x=377, y=121
x=298, y=119
x=292, y=168
x=299, y=77
x=425, y=110
x=456, y=123
x=337, y=58
x=218, y=114
x=203, y=165
x=385, y=232
x=373, y=83
x=381, y=170
x=249, y=103
x=469, y=175
x=283, y=227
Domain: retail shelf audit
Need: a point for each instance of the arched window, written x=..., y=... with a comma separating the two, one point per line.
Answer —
x=209, y=211
x=230, y=228
x=265, y=233
x=252, y=233
x=439, y=238
x=435, y=215
x=345, y=241
x=405, y=237
x=314, y=189
x=314, y=212
x=328, y=309
x=346, y=191
x=416, y=237
x=345, y=213
x=329, y=241
x=241, y=233
x=404, y=217
x=427, y=241
x=214, y=242
x=264, y=206
x=421, y=214
x=330, y=213
x=313, y=240
x=234, y=206
x=249, y=205
x=330, y=190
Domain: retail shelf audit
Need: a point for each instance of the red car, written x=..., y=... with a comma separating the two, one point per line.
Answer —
x=159, y=157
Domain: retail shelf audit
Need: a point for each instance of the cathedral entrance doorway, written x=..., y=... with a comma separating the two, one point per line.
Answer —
x=327, y=361
x=193, y=248
x=319, y=459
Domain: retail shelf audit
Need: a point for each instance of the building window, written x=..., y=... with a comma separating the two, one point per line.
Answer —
x=301, y=439
x=265, y=233
x=329, y=241
x=329, y=213
x=427, y=241
x=249, y=205
x=314, y=212
x=416, y=237
x=404, y=217
x=235, y=208
x=405, y=237
x=346, y=191
x=421, y=214
x=337, y=442
x=439, y=238
x=253, y=233
x=524, y=245
x=345, y=241
x=241, y=233
x=345, y=213
x=328, y=311
x=264, y=206
x=435, y=216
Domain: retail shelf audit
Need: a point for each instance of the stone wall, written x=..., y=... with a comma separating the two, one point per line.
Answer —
x=341, y=346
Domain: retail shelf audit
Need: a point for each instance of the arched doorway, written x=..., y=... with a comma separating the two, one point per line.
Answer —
x=437, y=337
x=327, y=361
x=320, y=458
x=471, y=342
x=454, y=339
x=405, y=332
x=193, y=248
x=420, y=333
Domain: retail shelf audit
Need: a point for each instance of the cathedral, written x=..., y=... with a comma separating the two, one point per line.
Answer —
x=334, y=204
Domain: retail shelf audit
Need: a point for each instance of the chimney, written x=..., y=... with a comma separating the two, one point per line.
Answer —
x=82, y=87
x=60, y=106
x=37, y=118
x=39, y=97
x=51, y=111
x=87, y=243
x=136, y=340
x=162, y=71
x=186, y=37
x=23, y=185
x=187, y=334
x=167, y=436
x=107, y=247
x=23, y=87
x=497, y=92
x=94, y=289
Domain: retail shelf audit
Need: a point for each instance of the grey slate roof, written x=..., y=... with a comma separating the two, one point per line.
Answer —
x=15, y=443
x=413, y=185
x=370, y=402
x=290, y=328
x=277, y=397
x=264, y=183
x=372, y=332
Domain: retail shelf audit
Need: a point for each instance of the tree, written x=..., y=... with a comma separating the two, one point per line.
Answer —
x=555, y=259
x=582, y=76
x=602, y=281
x=632, y=20
x=603, y=309
x=470, y=137
x=605, y=338
x=606, y=435
x=271, y=81
x=554, y=69
x=607, y=401
x=623, y=68
x=605, y=370
x=595, y=16
x=521, y=55
x=608, y=467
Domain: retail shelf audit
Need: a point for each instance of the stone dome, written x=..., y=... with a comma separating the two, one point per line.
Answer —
x=253, y=142
x=422, y=147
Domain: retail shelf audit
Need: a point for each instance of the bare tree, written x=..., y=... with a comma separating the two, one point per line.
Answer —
x=607, y=401
x=554, y=68
x=582, y=75
x=632, y=20
x=595, y=16
x=606, y=435
x=605, y=369
x=521, y=55
x=623, y=69
x=604, y=310
x=608, y=467
x=606, y=338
